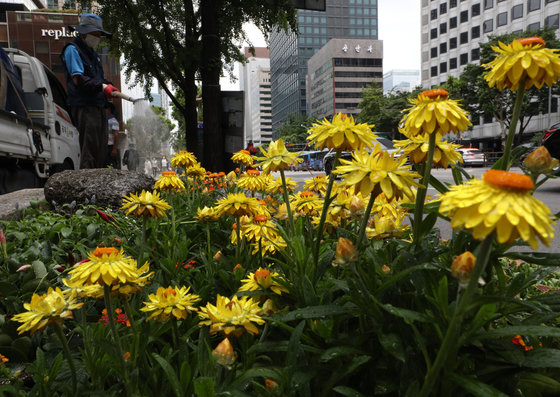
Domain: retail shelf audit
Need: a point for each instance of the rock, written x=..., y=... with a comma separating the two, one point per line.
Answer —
x=102, y=186
x=12, y=203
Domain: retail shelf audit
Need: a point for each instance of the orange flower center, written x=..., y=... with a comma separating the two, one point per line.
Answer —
x=261, y=273
x=508, y=179
x=170, y=291
x=245, y=152
x=99, y=252
x=531, y=41
x=230, y=305
x=261, y=218
x=432, y=94
x=221, y=174
x=169, y=173
x=253, y=172
x=307, y=194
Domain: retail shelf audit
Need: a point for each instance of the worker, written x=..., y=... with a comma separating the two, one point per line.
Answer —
x=88, y=90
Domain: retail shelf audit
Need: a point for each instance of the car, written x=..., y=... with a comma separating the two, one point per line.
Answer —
x=328, y=160
x=551, y=140
x=473, y=156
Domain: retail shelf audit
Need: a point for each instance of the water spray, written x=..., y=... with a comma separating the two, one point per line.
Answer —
x=117, y=94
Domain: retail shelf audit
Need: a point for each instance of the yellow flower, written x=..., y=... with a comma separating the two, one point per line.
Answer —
x=306, y=203
x=231, y=316
x=260, y=228
x=252, y=180
x=416, y=148
x=462, y=266
x=206, y=214
x=345, y=252
x=243, y=157
x=263, y=279
x=145, y=204
x=275, y=185
x=107, y=266
x=196, y=171
x=237, y=204
x=277, y=157
x=169, y=182
x=387, y=225
x=378, y=172
x=171, y=301
x=224, y=354
x=269, y=247
x=183, y=159
x=55, y=305
x=343, y=134
x=523, y=60
x=317, y=184
x=500, y=202
x=434, y=113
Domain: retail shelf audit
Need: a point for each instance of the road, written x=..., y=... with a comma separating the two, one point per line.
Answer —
x=548, y=193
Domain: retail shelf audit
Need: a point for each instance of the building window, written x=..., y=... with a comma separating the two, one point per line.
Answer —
x=452, y=3
x=443, y=48
x=475, y=10
x=488, y=4
x=464, y=38
x=516, y=11
x=552, y=21
x=501, y=19
x=533, y=5
x=452, y=22
x=464, y=16
x=464, y=59
x=433, y=52
x=475, y=32
x=487, y=118
x=534, y=26
x=488, y=26
x=442, y=8
x=453, y=63
x=433, y=71
x=42, y=48
x=443, y=67
x=549, y=1
x=452, y=43
x=475, y=54
x=433, y=33
x=442, y=28
x=433, y=14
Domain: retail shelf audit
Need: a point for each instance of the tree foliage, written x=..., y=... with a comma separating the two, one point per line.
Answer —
x=384, y=111
x=480, y=100
x=294, y=130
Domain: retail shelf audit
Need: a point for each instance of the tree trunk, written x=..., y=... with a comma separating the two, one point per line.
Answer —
x=190, y=115
x=211, y=67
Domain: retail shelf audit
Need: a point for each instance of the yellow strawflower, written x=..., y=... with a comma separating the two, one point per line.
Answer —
x=432, y=112
x=54, y=306
x=243, y=157
x=206, y=214
x=276, y=186
x=183, y=159
x=196, y=170
x=252, y=181
x=523, y=60
x=342, y=133
x=169, y=182
x=277, y=157
x=416, y=148
x=238, y=204
x=501, y=202
x=376, y=172
x=231, y=316
x=306, y=203
x=261, y=227
x=263, y=279
x=170, y=301
x=317, y=184
x=145, y=204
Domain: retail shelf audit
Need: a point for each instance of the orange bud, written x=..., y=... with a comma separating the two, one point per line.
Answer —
x=385, y=269
x=237, y=267
x=463, y=266
x=223, y=353
x=539, y=161
x=356, y=206
x=127, y=356
x=345, y=252
x=218, y=256
x=270, y=384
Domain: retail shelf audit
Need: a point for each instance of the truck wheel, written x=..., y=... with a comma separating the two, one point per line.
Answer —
x=66, y=165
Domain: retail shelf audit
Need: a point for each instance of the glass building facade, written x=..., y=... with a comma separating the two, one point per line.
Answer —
x=289, y=52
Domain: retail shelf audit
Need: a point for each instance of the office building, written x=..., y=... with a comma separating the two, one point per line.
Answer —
x=404, y=80
x=289, y=52
x=339, y=71
x=254, y=80
x=452, y=31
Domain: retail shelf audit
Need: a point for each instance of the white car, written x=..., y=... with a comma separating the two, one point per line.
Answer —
x=473, y=156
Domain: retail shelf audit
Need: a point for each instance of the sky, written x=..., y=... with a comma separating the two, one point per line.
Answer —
x=399, y=28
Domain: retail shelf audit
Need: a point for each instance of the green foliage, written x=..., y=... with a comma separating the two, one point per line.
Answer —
x=294, y=130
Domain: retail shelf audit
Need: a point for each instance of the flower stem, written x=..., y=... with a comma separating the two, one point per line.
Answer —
x=209, y=248
x=174, y=332
x=143, y=240
x=326, y=203
x=287, y=201
x=454, y=325
x=365, y=221
x=421, y=194
x=66, y=350
x=238, y=245
x=109, y=307
x=513, y=125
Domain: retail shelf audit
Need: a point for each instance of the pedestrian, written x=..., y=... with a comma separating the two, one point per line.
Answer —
x=164, y=163
x=252, y=151
x=130, y=158
x=88, y=90
x=113, y=158
x=148, y=167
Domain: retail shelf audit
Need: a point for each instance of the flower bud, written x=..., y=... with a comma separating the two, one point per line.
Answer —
x=539, y=161
x=345, y=252
x=223, y=353
x=462, y=266
x=356, y=206
x=270, y=384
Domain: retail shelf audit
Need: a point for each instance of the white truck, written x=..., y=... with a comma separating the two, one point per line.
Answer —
x=37, y=137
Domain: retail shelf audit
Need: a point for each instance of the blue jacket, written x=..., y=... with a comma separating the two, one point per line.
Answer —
x=79, y=59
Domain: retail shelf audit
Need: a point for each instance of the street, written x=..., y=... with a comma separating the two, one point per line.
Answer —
x=548, y=193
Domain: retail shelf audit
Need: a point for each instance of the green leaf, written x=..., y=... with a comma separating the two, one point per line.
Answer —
x=542, y=358
x=537, y=258
x=170, y=374
x=457, y=177
x=204, y=387
x=313, y=312
x=408, y=315
x=532, y=330
x=440, y=187
x=476, y=387
x=347, y=391
x=393, y=345
x=293, y=345
x=338, y=351
x=66, y=232
x=39, y=268
x=428, y=223
x=483, y=315
x=404, y=273
x=91, y=230
x=539, y=382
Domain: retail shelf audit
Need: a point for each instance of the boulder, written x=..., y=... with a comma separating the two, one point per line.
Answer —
x=11, y=204
x=103, y=187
